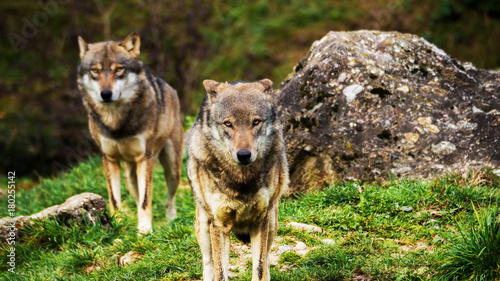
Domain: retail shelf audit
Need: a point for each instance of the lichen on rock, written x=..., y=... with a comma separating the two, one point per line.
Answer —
x=362, y=104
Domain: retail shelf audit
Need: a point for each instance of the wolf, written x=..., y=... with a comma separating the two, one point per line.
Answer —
x=237, y=169
x=134, y=117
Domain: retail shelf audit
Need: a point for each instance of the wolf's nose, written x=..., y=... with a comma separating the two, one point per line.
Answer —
x=106, y=95
x=244, y=156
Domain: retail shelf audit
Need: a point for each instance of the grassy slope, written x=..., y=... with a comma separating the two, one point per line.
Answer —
x=395, y=231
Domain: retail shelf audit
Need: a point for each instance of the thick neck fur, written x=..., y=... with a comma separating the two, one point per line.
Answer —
x=123, y=119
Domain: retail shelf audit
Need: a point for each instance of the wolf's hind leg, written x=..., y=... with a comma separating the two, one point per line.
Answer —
x=130, y=170
x=171, y=158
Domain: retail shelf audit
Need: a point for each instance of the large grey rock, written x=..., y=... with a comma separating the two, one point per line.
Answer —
x=364, y=104
x=86, y=206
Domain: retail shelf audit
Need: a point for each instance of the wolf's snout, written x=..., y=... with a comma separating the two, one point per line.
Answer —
x=106, y=95
x=244, y=156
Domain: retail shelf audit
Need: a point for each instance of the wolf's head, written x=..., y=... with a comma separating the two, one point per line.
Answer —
x=109, y=71
x=240, y=119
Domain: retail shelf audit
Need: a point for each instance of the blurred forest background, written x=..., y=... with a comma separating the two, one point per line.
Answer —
x=43, y=125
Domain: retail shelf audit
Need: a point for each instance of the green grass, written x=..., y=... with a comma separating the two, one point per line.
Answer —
x=475, y=251
x=401, y=230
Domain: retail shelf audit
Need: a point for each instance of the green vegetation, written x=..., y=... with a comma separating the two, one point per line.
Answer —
x=43, y=126
x=400, y=230
x=474, y=255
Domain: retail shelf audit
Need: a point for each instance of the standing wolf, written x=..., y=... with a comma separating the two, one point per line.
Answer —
x=133, y=117
x=237, y=168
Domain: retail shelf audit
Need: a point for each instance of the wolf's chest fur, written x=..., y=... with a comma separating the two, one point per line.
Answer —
x=131, y=149
x=240, y=212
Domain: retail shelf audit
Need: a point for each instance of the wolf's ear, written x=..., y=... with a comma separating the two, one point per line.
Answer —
x=83, y=47
x=267, y=85
x=132, y=44
x=210, y=87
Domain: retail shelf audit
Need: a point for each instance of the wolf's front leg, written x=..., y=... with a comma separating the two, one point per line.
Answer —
x=130, y=171
x=112, y=173
x=220, y=237
x=145, y=186
x=259, y=237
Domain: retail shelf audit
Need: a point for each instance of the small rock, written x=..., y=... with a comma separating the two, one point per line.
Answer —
x=413, y=137
x=443, y=148
x=342, y=77
x=403, y=89
x=117, y=241
x=407, y=145
x=302, y=252
x=307, y=227
x=402, y=170
x=476, y=110
x=385, y=123
x=424, y=121
x=351, y=91
x=432, y=128
x=466, y=126
x=130, y=258
x=494, y=112
x=301, y=248
x=434, y=90
x=284, y=248
x=427, y=123
x=328, y=241
x=406, y=209
x=452, y=127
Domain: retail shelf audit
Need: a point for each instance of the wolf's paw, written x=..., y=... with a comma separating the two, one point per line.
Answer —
x=144, y=230
x=171, y=215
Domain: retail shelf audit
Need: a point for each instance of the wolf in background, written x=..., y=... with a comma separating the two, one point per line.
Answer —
x=134, y=117
x=237, y=169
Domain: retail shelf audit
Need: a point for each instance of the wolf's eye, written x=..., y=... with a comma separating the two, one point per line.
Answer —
x=119, y=69
x=94, y=71
x=228, y=123
x=256, y=122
